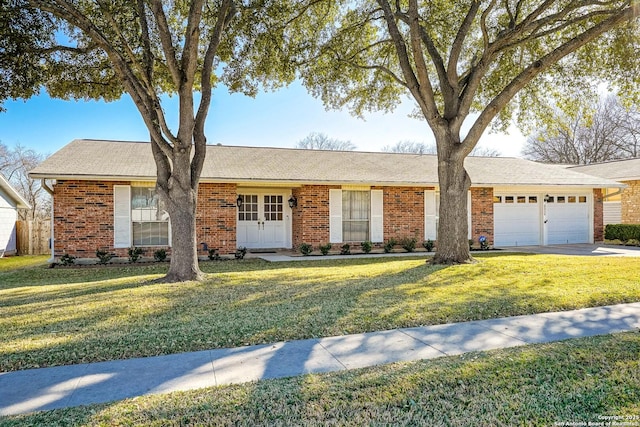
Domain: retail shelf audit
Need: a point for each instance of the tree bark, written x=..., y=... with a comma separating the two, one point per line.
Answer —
x=180, y=200
x=453, y=227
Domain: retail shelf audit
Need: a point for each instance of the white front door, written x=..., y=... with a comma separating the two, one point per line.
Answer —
x=262, y=220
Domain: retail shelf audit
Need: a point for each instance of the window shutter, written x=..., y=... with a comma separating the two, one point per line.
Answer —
x=430, y=215
x=377, y=230
x=121, y=216
x=469, y=201
x=335, y=216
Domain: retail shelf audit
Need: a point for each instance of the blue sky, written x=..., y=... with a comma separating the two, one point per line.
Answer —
x=275, y=119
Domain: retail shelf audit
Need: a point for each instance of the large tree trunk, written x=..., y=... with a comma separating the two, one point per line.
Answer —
x=180, y=199
x=453, y=228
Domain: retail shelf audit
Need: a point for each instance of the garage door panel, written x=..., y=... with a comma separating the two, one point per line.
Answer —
x=516, y=224
x=568, y=222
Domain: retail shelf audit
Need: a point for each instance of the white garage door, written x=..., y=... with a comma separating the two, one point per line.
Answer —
x=516, y=220
x=567, y=219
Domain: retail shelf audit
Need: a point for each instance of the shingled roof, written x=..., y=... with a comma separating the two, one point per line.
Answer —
x=619, y=170
x=120, y=160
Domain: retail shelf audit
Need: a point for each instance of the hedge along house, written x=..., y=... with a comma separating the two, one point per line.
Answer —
x=621, y=206
x=263, y=198
x=10, y=202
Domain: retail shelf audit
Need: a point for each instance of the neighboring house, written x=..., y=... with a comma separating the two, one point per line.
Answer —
x=621, y=206
x=104, y=197
x=10, y=202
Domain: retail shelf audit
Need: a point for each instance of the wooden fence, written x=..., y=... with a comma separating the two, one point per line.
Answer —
x=32, y=237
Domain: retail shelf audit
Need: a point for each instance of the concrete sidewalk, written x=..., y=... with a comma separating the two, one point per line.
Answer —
x=64, y=386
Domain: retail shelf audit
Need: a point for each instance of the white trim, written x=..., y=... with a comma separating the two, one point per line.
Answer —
x=335, y=215
x=376, y=222
x=430, y=215
x=122, y=233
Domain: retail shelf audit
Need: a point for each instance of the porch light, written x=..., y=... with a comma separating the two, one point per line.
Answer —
x=546, y=198
x=239, y=201
x=293, y=202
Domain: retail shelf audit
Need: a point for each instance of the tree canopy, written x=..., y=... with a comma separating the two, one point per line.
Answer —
x=474, y=63
x=144, y=48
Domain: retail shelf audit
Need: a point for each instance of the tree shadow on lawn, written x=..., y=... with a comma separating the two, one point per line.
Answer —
x=572, y=381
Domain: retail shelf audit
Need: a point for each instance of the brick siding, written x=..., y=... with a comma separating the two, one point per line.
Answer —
x=482, y=213
x=630, y=199
x=83, y=217
x=598, y=215
x=216, y=217
x=310, y=222
x=403, y=212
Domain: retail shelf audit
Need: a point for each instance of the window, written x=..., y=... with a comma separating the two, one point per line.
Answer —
x=571, y=199
x=508, y=199
x=150, y=223
x=522, y=199
x=582, y=199
x=273, y=208
x=497, y=199
x=355, y=215
x=561, y=199
x=533, y=199
x=248, y=211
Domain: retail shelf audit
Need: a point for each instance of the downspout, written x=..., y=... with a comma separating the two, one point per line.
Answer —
x=43, y=184
x=606, y=196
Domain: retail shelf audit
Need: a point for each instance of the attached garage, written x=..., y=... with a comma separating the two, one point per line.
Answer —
x=523, y=219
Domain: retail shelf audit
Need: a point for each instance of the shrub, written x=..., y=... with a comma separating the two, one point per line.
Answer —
x=346, y=249
x=388, y=247
x=241, y=252
x=134, y=254
x=67, y=259
x=306, y=249
x=366, y=246
x=213, y=254
x=428, y=245
x=325, y=248
x=160, y=255
x=408, y=243
x=471, y=243
x=103, y=256
x=622, y=232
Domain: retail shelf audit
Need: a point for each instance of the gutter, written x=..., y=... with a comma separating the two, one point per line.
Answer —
x=43, y=184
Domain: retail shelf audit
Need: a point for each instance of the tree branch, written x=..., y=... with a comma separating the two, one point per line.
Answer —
x=427, y=105
x=225, y=14
x=541, y=65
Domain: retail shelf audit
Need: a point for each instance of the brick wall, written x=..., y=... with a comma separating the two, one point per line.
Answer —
x=216, y=217
x=482, y=213
x=598, y=215
x=83, y=217
x=630, y=199
x=310, y=222
x=403, y=212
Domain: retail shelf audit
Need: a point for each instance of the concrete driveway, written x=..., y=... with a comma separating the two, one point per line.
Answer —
x=579, y=249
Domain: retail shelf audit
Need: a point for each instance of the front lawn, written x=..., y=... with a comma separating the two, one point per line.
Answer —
x=586, y=381
x=73, y=315
x=23, y=261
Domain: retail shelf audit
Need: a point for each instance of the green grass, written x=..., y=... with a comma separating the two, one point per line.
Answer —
x=72, y=315
x=575, y=381
x=24, y=261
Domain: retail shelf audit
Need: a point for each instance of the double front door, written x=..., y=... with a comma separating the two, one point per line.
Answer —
x=262, y=220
